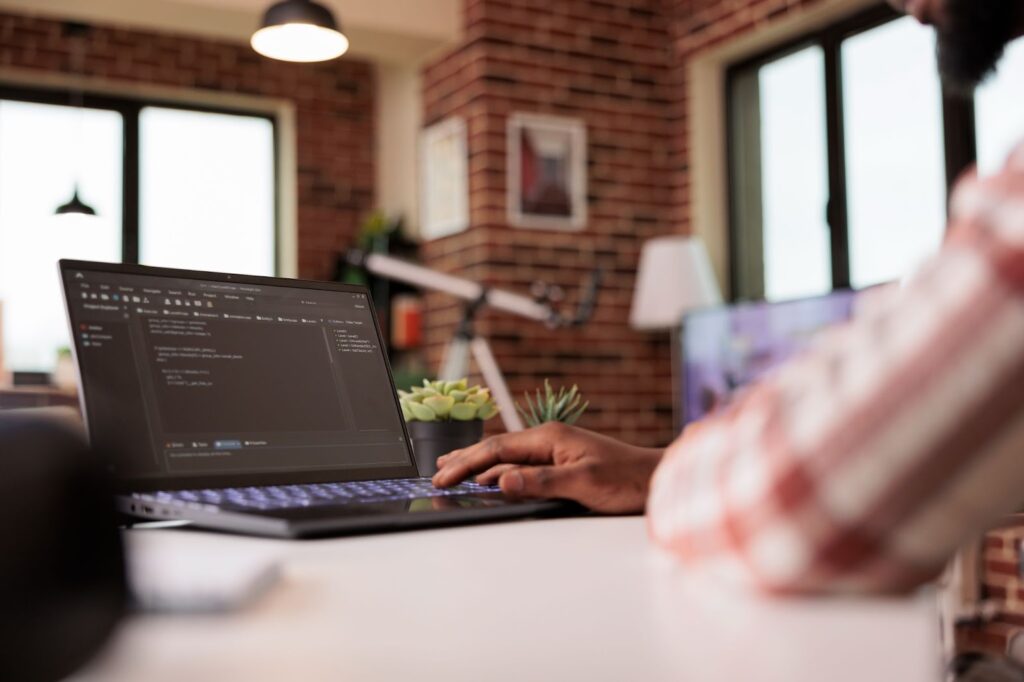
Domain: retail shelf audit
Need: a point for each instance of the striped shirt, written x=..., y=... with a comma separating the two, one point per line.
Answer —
x=863, y=465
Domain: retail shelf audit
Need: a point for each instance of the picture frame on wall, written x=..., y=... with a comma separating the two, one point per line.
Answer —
x=444, y=179
x=547, y=172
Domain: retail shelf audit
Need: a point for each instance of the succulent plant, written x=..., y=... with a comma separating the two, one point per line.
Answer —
x=447, y=401
x=563, y=406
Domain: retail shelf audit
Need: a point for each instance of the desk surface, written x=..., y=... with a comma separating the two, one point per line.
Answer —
x=566, y=599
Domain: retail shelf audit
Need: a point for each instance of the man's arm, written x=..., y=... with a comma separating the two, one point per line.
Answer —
x=863, y=465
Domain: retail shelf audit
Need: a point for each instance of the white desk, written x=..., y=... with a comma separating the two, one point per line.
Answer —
x=569, y=599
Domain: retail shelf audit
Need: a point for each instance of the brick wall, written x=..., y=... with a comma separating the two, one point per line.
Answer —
x=619, y=66
x=1002, y=584
x=333, y=104
x=606, y=63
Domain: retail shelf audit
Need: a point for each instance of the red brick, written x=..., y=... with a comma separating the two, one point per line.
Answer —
x=1004, y=568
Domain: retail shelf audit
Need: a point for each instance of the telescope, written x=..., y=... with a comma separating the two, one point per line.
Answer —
x=540, y=307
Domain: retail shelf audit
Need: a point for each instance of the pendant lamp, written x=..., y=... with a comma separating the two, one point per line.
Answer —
x=77, y=33
x=299, y=31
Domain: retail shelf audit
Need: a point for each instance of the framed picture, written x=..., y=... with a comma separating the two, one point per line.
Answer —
x=547, y=172
x=444, y=179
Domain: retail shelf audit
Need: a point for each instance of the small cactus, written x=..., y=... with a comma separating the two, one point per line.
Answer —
x=447, y=401
x=563, y=406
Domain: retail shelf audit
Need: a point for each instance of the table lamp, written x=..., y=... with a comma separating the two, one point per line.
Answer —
x=674, y=277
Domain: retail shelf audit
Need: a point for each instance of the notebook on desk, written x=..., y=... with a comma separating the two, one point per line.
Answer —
x=252, y=404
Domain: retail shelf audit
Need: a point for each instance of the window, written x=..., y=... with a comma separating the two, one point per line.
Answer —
x=171, y=186
x=206, y=191
x=794, y=174
x=842, y=146
x=44, y=150
x=1000, y=110
x=895, y=166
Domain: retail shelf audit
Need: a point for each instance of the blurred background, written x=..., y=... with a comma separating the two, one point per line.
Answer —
x=808, y=144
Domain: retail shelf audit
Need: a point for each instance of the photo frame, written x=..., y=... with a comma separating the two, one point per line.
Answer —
x=547, y=172
x=444, y=179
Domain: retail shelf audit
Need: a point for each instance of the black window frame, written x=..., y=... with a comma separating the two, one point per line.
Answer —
x=958, y=125
x=130, y=109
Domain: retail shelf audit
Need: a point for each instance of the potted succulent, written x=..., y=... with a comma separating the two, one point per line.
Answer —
x=443, y=416
x=561, y=406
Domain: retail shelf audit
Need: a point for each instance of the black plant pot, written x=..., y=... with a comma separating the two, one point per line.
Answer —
x=430, y=440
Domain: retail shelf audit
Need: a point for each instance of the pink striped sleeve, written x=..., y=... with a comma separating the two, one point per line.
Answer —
x=865, y=463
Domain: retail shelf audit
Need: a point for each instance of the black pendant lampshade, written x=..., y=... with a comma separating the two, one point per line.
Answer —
x=299, y=31
x=77, y=33
x=75, y=207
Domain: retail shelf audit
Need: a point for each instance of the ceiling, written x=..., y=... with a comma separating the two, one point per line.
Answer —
x=399, y=31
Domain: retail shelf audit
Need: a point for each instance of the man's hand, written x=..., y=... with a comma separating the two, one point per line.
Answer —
x=558, y=461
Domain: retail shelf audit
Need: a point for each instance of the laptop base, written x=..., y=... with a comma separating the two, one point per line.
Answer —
x=353, y=519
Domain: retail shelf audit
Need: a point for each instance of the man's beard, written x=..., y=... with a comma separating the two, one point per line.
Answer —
x=973, y=38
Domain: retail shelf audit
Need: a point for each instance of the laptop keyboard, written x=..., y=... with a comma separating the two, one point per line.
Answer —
x=313, y=494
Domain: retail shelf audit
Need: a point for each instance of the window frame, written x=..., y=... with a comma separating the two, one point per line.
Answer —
x=130, y=109
x=959, y=141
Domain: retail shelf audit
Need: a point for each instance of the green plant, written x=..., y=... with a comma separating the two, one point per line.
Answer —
x=447, y=401
x=373, y=237
x=563, y=406
x=376, y=226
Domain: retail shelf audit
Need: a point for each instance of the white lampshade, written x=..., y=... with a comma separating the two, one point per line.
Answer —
x=675, y=276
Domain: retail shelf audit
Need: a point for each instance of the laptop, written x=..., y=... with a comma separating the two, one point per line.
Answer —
x=252, y=404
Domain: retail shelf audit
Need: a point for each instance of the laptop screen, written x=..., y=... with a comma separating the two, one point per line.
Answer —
x=198, y=380
x=727, y=348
